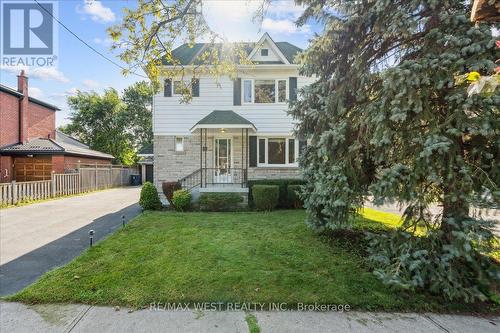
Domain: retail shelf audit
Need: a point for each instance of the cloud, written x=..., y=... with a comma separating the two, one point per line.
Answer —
x=97, y=11
x=42, y=73
x=36, y=92
x=91, y=84
x=283, y=26
x=103, y=41
x=286, y=8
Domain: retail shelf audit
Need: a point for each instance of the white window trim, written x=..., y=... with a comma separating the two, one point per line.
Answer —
x=276, y=95
x=287, y=164
x=175, y=143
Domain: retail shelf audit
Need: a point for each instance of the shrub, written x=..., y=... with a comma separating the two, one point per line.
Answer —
x=293, y=196
x=169, y=188
x=283, y=201
x=181, y=200
x=149, y=197
x=220, y=202
x=265, y=197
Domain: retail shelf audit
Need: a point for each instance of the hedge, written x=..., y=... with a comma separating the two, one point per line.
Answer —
x=169, y=188
x=149, y=198
x=220, y=202
x=266, y=197
x=293, y=196
x=181, y=200
x=283, y=201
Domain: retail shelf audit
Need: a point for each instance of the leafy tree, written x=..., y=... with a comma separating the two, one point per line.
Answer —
x=386, y=118
x=99, y=121
x=146, y=36
x=138, y=100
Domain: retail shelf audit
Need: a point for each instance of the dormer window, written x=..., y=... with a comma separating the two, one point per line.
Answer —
x=264, y=52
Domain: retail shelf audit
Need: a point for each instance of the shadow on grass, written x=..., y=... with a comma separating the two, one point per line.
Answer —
x=22, y=271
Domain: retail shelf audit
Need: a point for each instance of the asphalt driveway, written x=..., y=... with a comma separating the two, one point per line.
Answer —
x=37, y=238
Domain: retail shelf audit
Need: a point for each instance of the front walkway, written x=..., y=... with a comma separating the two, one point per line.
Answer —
x=38, y=237
x=16, y=317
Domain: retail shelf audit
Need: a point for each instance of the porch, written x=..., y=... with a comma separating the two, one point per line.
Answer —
x=223, y=153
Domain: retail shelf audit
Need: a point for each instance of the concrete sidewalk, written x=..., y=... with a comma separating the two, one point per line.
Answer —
x=16, y=317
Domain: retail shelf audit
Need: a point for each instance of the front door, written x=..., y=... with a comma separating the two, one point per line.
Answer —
x=223, y=161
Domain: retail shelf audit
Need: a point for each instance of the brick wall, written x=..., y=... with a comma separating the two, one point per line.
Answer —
x=58, y=163
x=71, y=162
x=9, y=116
x=42, y=121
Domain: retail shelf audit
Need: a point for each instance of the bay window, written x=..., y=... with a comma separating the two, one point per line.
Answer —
x=264, y=91
x=274, y=151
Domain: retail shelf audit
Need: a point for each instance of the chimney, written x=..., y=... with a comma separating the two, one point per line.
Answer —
x=24, y=115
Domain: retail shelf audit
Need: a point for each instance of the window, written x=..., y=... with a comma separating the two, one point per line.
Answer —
x=264, y=91
x=178, y=87
x=262, y=151
x=277, y=151
x=264, y=52
x=179, y=143
x=281, y=91
x=247, y=91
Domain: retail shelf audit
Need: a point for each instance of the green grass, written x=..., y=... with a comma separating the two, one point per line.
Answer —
x=227, y=257
x=253, y=325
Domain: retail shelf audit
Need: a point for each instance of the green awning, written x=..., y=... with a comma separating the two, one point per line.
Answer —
x=223, y=119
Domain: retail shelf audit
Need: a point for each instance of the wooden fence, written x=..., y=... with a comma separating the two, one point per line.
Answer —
x=83, y=180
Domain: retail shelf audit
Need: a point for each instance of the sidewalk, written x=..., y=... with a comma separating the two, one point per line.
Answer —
x=16, y=317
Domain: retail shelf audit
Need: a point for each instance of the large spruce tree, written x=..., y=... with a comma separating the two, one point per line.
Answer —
x=387, y=119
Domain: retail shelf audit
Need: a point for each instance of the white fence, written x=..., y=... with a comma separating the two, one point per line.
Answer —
x=84, y=180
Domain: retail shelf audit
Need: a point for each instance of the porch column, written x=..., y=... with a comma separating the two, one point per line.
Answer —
x=201, y=157
x=246, y=156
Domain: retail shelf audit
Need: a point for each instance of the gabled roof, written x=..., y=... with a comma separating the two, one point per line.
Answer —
x=188, y=54
x=223, y=119
x=18, y=94
x=273, y=45
x=63, y=144
x=146, y=150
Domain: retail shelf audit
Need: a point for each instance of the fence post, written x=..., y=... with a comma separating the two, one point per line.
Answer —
x=14, y=192
x=95, y=185
x=53, y=183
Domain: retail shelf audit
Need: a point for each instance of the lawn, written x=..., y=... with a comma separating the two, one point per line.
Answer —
x=227, y=257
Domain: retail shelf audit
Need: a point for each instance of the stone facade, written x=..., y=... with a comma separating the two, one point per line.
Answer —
x=171, y=165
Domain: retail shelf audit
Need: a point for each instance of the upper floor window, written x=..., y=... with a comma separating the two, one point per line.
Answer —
x=264, y=52
x=264, y=91
x=179, y=87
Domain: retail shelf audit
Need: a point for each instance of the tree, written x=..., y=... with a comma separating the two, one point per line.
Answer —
x=386, y=118
x=146, y=37
x=138, y=100
x=99, y=121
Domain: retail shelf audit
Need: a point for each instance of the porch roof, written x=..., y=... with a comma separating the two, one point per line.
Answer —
x=223, y=119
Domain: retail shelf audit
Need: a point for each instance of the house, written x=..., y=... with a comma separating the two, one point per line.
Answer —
x=30, y=146
x=146, y=159
x=233, y=130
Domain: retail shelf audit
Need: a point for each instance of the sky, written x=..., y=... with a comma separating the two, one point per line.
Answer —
x=80, y=68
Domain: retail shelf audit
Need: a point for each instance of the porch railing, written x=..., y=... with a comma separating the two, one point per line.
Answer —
x=215, y=177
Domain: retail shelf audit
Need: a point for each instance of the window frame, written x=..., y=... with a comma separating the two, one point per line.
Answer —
x=264, y=55
x=287, y=147
x=276, y=90
x=175, y=144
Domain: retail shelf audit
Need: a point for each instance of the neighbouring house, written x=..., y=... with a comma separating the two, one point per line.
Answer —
x=146, y=159
x=233, y=130
x=30, y=146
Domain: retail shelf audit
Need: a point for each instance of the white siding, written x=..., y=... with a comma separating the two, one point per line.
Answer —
x=173, y=118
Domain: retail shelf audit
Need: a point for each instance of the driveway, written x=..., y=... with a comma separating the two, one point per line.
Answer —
x=39, y=237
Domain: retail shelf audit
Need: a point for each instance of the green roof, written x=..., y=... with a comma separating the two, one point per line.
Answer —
x=186, y=54
x=224, y=117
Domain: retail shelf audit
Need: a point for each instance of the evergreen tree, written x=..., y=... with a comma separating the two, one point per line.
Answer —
x=388, y=118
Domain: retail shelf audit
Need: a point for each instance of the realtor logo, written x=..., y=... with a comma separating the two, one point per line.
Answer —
x=28, y=29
